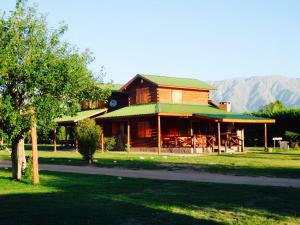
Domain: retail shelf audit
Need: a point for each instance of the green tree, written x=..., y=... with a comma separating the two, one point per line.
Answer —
x=88, y=133
x=41, y=77
x=272, y=107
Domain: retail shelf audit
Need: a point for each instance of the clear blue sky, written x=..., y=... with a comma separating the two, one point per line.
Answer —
x=208, y=40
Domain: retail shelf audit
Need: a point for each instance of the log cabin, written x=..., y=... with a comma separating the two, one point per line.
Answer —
x=175, y=115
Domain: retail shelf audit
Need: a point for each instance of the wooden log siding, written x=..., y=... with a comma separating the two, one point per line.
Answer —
x=151, y=93
x=188, y=96
x=171, y=127
x=150, y=141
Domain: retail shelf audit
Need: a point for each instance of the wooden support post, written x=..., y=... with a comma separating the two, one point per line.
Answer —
x=54, y=140
x=66, y=132
x=102, y=141
x=128, y=136
x=192, y=136
x=194, y=143
x=34, y=154
x=76, y=145
x=266, y=136
x=219, y=138
x=158, y=135
x=243, y=140
x=191, y=128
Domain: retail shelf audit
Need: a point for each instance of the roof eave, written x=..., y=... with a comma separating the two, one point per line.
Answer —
x=124, y=117
x=187, y=88
x=247, y=121
x=224, y=120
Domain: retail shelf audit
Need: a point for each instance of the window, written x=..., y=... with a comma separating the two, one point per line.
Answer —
x=143, y=129
x=142, y=95
x=176, y=96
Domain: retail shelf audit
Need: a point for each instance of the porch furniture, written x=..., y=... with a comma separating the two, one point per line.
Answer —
x=168, y=142
x=201, y=141
x=210, y=141
x=184, y=141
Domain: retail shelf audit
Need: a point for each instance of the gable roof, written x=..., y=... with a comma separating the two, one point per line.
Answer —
x=178, y=82
x=168, y=109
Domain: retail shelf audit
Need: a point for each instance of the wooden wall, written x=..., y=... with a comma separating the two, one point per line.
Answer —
x=150, y=141
x=151, y=95
x=121, y=98
x=174, y=126
x=87, y=105
x=188, y=96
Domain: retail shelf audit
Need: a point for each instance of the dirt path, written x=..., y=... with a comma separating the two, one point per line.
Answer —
x=183, y=175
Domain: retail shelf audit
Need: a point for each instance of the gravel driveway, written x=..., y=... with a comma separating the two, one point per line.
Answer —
x=181, y=175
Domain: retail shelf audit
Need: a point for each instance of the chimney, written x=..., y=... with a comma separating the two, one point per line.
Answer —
x=226, y=106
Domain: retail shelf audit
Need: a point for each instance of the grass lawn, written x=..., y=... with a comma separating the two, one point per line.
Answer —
x=63, y=198
x=253, y=163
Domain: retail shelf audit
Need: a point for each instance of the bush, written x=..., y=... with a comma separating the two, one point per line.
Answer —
x=88, y=133
x=27, y=174
x=293, y=138
x=110, y=144
x=3, y=147
x=60, y=134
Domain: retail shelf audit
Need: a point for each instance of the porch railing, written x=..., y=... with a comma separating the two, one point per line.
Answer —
x=197, y=141
x=202, y=141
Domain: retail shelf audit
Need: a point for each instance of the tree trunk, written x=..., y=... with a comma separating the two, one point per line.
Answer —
x=18, y=158
x=90, y=158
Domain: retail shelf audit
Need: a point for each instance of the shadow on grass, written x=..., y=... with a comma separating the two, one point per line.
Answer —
x=87, y=199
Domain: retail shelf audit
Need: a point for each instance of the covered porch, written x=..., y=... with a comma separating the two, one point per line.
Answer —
x=170, y=132
x=69, y=123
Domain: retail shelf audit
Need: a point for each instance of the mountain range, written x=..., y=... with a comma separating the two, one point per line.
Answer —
x=250, y=94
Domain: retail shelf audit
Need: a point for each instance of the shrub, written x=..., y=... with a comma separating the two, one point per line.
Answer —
x=293, y=138
x=27, y=173
x=127, y=148
x=60, y=134
x=88, y=133
x=109, y=144
x=3, y=147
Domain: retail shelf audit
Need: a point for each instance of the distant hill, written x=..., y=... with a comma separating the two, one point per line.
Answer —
x=250, y=94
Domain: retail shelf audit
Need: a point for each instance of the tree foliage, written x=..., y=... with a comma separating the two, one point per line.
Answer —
x=287, y=119
x=41, y=76
x=273, y=107
x=88, y=134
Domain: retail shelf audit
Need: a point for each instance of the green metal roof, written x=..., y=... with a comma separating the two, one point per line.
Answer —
x=234, y=116
x=205, y=111
x=177, y=82
x=113, y=87
x=79, y=116
x=134, y=110
x=116, y=87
